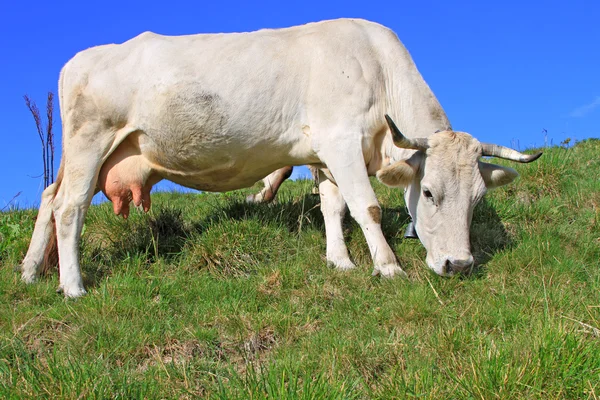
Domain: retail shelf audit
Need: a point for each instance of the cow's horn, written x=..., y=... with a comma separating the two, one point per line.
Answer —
x=494, y=150
x=402, y=141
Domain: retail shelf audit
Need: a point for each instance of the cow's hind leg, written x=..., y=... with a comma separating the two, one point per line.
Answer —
x=350, y=174
x=272, y=183
x=42, y=233
x=83, y=155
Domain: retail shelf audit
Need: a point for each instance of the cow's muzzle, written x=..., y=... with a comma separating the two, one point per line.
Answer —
x=462, y=266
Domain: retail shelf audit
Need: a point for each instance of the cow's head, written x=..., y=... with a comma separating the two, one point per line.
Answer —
x=444, y=180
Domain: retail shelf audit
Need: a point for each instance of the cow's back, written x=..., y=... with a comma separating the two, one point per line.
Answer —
x=289, y=69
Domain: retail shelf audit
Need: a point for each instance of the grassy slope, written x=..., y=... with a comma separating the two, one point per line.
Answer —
x=208, y=296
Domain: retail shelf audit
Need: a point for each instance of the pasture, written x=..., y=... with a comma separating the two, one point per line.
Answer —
x=207, y=296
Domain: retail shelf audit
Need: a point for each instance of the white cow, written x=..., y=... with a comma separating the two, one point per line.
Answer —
x=219, y=112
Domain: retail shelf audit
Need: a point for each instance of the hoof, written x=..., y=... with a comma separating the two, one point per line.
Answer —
x=28, y=278
x=341, y=265
x=389, y=271
x=71, y=293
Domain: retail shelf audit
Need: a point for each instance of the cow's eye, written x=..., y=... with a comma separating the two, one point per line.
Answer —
x=427, y=194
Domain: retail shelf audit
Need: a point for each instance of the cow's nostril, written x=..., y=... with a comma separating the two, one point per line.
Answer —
x=448, y=267
x=463, y=266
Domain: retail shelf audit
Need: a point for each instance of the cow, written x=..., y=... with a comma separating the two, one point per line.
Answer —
x=217, y=112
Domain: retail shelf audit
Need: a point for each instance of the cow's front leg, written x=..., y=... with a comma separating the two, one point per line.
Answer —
x=350, y=173
x=333, y=208
x=83, y=153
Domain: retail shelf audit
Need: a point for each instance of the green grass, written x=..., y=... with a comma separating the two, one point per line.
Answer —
x=209, y=296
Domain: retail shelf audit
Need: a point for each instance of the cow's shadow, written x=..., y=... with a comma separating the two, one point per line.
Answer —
x=295, y=214
x=488, y=236
x=165, y=233
x=161, y=234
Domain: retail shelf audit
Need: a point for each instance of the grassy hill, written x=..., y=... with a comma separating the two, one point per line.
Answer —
x=209, y=296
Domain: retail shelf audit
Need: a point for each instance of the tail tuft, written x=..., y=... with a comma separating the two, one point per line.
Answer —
x=50, y=263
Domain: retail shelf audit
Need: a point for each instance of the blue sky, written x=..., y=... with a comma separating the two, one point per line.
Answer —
x=503, y=71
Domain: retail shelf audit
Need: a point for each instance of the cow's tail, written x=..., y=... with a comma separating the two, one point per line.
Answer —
x=50, y=262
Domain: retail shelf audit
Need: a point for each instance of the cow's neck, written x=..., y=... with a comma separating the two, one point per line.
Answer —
x=412, y=105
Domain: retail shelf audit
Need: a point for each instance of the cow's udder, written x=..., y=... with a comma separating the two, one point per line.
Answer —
x=127, y=176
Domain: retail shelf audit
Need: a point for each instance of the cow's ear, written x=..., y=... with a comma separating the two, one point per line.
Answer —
x=401, y=173
x=496, y=175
